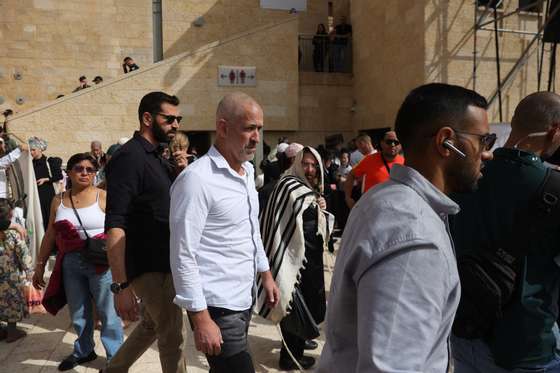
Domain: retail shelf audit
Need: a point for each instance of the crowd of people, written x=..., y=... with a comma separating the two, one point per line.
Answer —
x=448, y=255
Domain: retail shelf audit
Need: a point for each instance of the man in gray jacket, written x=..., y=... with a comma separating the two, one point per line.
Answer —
x=396, y=288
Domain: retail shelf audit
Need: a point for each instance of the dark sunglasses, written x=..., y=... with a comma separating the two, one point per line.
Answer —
x=392, y=142
x=79, y=169
x=487, y=141
x=170, y=119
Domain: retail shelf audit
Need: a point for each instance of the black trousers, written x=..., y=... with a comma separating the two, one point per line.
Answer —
x=294, y=343
x=235, y=356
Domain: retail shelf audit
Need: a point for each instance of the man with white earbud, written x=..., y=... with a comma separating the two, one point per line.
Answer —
x=395, y=287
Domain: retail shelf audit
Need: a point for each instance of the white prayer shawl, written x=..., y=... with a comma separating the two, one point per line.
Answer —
x=24, y=186
x=281, y=226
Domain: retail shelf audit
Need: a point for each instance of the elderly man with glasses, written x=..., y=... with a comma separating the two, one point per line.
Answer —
x=507, y=240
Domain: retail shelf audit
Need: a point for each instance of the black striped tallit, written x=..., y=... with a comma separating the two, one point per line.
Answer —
x=281, y=225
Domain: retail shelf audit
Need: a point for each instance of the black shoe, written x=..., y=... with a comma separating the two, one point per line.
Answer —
x=306, y=362
x=72, y=361
x=310, y=344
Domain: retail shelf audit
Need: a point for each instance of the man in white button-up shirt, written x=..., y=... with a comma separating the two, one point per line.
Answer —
x=216, y=247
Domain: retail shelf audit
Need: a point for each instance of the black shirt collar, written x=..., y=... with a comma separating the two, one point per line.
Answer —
x=148, y=146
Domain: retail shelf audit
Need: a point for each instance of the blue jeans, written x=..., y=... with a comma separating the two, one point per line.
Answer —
x=81, y=284
x=474, y=356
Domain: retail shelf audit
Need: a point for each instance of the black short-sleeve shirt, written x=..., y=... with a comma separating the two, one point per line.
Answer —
x=138, y=182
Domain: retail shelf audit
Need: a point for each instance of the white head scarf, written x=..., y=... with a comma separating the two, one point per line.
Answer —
x=296, y=169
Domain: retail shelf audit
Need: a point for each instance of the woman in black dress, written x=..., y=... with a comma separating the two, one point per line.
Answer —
x=47, y=172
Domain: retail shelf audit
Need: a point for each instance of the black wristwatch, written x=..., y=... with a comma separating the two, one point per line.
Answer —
x=116, y=287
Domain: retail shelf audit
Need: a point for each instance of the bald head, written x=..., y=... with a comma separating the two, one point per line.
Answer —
x=536, y=113
x=234, y=106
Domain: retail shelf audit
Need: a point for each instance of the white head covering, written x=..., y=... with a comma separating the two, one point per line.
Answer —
x=281, y=148
x=296, y=169
x=293, y=149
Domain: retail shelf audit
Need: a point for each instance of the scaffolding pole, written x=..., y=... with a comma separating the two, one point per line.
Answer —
x=482, y=24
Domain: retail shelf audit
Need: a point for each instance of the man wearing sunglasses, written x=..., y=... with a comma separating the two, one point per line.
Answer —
x=374, y=168
x=137, y=224
x=507, y=239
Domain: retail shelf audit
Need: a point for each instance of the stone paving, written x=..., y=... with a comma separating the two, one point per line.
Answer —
x=50, y=340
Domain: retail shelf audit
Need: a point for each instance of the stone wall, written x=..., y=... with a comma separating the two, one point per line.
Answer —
x=109, y=111
x=401, y=44
x=221, y=19
x=51, y=43
x=389, y=55
x=325, y=108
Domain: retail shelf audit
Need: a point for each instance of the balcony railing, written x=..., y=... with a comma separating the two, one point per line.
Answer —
x=325, y=53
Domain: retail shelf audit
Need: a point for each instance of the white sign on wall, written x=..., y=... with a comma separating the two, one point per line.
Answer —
x=233, y=76
x=299, y=5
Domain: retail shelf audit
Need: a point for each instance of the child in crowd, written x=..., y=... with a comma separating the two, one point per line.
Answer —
x=15, y=260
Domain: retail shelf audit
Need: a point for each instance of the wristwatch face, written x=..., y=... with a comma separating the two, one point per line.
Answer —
x=115, y=287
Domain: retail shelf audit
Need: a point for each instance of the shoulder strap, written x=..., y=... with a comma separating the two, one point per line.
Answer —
x=549, y=194
x=76, y=213
x=385, y=163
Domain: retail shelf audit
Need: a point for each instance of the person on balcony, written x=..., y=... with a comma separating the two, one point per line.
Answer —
x=320, y=43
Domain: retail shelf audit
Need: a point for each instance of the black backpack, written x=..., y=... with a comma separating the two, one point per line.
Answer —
x=488, y=279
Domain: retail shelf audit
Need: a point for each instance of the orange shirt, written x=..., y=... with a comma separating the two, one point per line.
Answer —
x=374, y=169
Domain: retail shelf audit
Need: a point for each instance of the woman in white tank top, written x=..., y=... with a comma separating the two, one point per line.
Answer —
x=73, y=278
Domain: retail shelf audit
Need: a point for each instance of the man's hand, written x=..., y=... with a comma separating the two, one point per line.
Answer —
x=42, y=181
x=126, y=305
x=271, y=289
x=23, y=147
x=350, y=202
x=207, y=334
x=322, y=203
x=181, y=159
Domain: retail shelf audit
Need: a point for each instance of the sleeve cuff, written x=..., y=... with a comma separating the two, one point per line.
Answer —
x=263, y=266
x=192, y=305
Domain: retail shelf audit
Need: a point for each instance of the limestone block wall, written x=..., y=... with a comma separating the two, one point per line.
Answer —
x=317, y=12
x=325, y=108
x=51, y=43
x=401, y=44
x=109, y=111
x=389, y=57
x=222, y=18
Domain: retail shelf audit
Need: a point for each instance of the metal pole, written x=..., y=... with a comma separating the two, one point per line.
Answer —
x=552, y=67
x=157, y=30
x=510, y=31
x=475, y=52
x=498, y=76
x=541, y=57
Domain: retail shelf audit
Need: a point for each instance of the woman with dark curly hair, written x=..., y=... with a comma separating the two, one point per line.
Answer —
x=74, y=280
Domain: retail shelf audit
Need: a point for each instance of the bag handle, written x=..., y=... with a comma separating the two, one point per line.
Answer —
x=76, y=213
